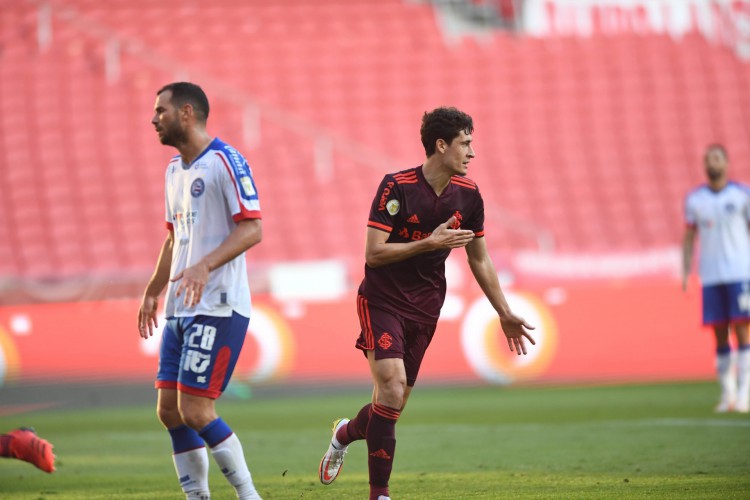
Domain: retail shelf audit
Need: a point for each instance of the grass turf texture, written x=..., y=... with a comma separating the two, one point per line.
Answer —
x=645, y=441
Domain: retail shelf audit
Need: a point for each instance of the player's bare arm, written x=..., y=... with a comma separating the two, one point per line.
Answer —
x=688, y=244
x=150, y=303
x=193, y=279
x=379, y=252
x=514, y=327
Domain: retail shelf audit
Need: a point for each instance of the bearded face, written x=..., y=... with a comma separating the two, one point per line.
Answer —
x=171, y=133
x=166, y=121
x=716, y=165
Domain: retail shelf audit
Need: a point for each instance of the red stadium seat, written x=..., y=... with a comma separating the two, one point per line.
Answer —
x=595, y=140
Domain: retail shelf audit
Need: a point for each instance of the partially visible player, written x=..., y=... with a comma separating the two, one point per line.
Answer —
x=417, y=217
x=213, y=217
x=719, y=212
x=24, y=444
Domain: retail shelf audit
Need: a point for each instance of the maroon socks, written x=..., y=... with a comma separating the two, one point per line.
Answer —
x=381, y=446
x=356, y=429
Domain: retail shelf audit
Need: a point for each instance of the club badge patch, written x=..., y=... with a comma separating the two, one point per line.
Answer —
x=197, y=187
x=393, y=206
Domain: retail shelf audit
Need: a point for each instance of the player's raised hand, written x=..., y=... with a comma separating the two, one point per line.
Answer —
x=514, y=327
x=147, y=316
x=192, y=283
x=445, y=237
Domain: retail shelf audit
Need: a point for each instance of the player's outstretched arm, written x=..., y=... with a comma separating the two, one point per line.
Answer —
x=379, y=252
x=514, y=327
x=193, y=279
x=150, y=302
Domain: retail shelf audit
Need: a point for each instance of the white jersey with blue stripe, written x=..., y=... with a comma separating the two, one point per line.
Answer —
x=204, y=202
x=722, y=219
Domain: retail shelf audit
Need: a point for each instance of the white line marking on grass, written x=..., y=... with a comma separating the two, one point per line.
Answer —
x=689, y=422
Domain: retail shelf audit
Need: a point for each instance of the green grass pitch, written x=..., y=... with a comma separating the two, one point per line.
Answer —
x=608, y=442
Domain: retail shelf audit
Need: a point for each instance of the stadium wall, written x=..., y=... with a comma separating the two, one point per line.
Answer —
x=642, y=330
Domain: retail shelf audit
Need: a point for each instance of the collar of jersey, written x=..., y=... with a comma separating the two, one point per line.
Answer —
x=187, y=166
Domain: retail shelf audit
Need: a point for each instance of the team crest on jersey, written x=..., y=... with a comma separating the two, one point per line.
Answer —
x=730, y=208
x=197, y=187
x=459, y=218
x=393, y=206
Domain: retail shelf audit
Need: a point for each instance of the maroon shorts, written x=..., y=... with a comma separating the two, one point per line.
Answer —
x=391, y=336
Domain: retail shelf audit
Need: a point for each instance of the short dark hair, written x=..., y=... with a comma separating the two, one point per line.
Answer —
x=716, y=146
x=188, y=93
x=443, y=123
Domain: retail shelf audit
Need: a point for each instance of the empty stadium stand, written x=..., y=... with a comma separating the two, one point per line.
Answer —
x=594, y=141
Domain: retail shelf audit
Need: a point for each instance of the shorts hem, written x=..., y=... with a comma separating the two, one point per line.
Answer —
x=197, y=391
x=727, y=322
x=379, y=354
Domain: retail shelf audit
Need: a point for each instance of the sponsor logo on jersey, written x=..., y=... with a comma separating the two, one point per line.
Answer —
x=384, y=196
x=197, y=188
x=393, y=206
x=415, y=235
x=413, y=219
x=242, y=173
x=238, y=161
x=184, y=219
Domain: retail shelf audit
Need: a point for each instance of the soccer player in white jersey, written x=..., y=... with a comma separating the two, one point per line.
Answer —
x=212, y=217
x=719, y=211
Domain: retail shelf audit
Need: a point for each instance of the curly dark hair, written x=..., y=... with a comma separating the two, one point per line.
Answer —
x=188, y=93
x=443, y=123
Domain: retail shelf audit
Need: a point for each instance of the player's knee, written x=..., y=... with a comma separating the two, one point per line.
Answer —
x=169, y=417
x=391, y=392
x=193, y=421
x=195, y=417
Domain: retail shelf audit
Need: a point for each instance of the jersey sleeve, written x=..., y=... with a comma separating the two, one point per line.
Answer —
x=384, y=204
x=746, y=212
x=168, y=218
x=690, y=216
x=239, y=189
x=476, y=221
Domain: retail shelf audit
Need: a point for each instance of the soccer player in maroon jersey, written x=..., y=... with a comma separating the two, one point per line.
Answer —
x=417, y=217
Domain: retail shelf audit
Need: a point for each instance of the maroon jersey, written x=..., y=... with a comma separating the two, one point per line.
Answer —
x=407, y=207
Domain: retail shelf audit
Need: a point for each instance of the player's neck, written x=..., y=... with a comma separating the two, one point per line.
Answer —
x=194, y=146
x=718, y=184
x=437, y=177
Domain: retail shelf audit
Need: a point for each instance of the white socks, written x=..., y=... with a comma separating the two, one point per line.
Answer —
x=743, y=378
x=727, y=380
x=228, y=454
x=192, y=470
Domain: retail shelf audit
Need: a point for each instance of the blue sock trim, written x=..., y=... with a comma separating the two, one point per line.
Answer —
x=743, y=347
x=185, y=439
x=215, y=432
x=723, y=350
